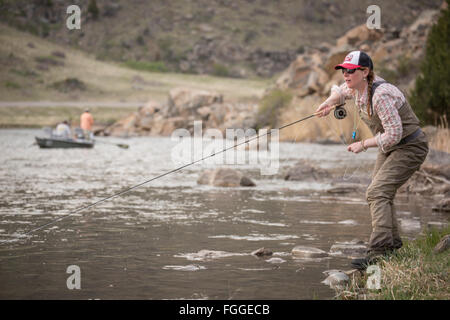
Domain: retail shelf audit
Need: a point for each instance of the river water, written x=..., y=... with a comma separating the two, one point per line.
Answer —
x=144, y=244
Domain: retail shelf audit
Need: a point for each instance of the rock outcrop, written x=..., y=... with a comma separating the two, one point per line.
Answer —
x=396, y=53
x=442, y=205
x=443, y=245
x=433, y=178
x=183, y=107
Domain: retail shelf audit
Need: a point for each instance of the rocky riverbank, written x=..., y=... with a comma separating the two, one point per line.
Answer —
x=183, y=107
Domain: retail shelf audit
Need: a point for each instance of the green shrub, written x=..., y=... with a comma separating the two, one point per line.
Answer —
x=430, y=98
x=165, y=45
x=24, y=72
x=48, y=60
x=93, y=9
x=220, y=70
x=154, y=66
x=69, y=85
x=12, y=85
x=405, y=65
x=388, y=74
x=140, y=40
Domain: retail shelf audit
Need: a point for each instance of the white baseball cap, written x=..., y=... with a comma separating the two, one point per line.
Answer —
x=356, y=59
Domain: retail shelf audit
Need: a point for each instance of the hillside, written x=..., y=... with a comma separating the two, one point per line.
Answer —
x=243, y=38
x=292, y=43
x=36, y=69
x=298, y=91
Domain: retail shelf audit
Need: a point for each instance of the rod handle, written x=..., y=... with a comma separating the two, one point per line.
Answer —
x=333, y=107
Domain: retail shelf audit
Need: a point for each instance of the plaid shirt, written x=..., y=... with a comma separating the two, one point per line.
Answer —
x=386, y=102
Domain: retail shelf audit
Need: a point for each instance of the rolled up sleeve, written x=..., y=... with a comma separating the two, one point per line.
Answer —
x=345, y=93
x=386, y=106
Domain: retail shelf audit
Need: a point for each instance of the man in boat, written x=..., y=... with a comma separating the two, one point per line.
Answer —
x=63, y=130
x=86, y=123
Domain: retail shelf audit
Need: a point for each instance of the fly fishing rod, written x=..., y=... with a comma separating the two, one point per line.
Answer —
x=337, y=107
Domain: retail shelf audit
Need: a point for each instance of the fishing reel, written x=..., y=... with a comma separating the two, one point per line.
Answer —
x=339, y=112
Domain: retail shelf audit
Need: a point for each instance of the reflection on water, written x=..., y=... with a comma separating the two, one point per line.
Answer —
x=172, y=238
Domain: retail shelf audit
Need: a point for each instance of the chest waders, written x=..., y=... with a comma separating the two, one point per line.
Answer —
x=392, y=169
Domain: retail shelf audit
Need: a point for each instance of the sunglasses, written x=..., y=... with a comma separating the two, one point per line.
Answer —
x=350, y=71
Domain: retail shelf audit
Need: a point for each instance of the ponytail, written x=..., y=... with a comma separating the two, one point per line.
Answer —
x=370, y=78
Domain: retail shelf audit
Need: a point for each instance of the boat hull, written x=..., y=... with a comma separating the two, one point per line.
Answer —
x=63, y=143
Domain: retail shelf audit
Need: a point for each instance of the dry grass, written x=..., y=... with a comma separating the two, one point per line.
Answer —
x=416, y=276
x=441, y=140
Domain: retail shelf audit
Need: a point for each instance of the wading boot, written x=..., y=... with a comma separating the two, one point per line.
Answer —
x=362, y=263
x=371, y=258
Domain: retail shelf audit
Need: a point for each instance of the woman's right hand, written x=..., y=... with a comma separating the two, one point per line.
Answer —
x=323, y=110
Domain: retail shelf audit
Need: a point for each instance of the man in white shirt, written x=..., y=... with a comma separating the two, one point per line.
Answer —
x=63, y=130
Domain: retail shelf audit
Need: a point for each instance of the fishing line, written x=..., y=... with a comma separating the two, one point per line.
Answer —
x=340, y=134
x=157, y=177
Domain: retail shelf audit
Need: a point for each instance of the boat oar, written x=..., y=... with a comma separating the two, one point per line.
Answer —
x=120, y=145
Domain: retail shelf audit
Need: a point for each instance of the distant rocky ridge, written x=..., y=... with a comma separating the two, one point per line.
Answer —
x=223, y=37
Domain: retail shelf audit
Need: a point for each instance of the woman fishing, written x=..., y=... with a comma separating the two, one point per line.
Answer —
x=402, y=145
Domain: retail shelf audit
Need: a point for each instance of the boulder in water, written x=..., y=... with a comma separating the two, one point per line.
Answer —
x=262, y=252
x=275, y=260
x=308, y=252
x=303, y=171
x=336, y=278
x=352, y=249
x=204, y=255
x=190, y=267
x=343, y=188
x=225, y=177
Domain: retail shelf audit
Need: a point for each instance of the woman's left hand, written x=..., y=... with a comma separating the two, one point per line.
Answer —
x=355, y=147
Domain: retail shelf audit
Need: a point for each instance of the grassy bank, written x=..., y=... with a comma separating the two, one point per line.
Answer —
x=414, y=272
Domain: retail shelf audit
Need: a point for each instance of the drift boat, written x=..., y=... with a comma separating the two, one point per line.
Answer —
x=54, y=142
